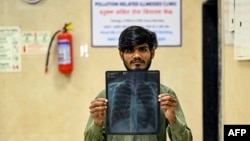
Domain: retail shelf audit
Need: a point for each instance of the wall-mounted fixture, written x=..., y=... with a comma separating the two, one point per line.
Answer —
x=32, y=1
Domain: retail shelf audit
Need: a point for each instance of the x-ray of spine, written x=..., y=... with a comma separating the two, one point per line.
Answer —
x=133, y=104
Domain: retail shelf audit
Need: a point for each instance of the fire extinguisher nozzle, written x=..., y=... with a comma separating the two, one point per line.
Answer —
x=46, y=70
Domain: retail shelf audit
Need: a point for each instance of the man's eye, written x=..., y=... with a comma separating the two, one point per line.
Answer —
x=143, y=49
x=128, y=51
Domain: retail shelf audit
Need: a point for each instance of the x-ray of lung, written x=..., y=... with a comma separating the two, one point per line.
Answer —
x=133, y=106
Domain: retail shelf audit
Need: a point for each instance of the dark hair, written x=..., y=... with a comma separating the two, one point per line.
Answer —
x=136, y=35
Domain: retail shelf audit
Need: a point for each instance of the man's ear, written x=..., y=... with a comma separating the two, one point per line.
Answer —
x=152, y=53
x=121, y=54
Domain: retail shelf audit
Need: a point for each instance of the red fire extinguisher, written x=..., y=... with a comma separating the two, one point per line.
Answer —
x=64, y=49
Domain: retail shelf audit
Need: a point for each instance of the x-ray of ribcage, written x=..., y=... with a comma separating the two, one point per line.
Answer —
x=133, y=106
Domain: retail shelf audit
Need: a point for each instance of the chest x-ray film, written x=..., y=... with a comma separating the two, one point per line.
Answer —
x=133, y=106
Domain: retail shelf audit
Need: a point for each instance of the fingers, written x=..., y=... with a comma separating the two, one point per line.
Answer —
x=98, y=102
x=167, y=97
x=167, y=101
x=98, y=106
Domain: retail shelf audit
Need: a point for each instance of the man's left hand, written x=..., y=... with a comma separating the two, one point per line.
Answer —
x=168, y=104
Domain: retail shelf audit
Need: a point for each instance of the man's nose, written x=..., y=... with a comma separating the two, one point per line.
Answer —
x=137, y=54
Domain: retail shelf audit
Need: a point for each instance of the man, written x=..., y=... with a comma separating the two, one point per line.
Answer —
x=137, y=47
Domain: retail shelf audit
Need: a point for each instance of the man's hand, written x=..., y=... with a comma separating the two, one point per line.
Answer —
x=168, y=104
x=97, y=109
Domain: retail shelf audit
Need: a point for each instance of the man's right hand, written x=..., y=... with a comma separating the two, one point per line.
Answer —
x=97, y=109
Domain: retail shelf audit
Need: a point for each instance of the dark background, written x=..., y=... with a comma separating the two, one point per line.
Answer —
x=211, y=73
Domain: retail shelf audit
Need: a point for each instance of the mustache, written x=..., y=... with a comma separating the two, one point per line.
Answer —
x=137, y=61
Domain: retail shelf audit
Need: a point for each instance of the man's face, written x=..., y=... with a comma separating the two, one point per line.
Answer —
x=138, y=57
